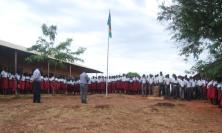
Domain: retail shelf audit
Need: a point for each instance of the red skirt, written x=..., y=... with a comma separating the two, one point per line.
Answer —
x=4, y=83
x=122, y=84
x=219, y=96
x=93, y=85
x=57, y=85
x=61, y=86
x=22, y=85
x=99, y=86
x=136, y=85
x=110, y=86
x=28, y=85
x=103, y=85
x=126, y=85
x=212, y=93
x=130, y=86
x=52, y=85
x=69, y=87
x=77, y=87
x=12, y=84
x=90, y=86
x=46, y=85
x=118, y=85
x=113, y=85
x=65, y=86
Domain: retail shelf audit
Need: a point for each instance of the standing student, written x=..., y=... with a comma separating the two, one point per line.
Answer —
x=167, y=85
x=193, y=88
x=84, y=80
x=175, y=86
x=188, y=89
x=160, y=79
x=36, y=86
x=199, y=89
x=151, y=84
x=4, y=80
x=143, y=88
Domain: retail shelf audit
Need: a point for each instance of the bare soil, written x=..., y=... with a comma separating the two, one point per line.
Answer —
x=115, y=113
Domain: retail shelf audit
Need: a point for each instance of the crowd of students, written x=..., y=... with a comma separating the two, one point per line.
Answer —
x=178, y=87
x=22, y=83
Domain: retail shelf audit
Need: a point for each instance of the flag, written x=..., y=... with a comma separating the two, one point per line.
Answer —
x=109, y=24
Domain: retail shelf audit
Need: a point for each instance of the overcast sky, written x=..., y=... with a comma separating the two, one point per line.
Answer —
x=139, y=44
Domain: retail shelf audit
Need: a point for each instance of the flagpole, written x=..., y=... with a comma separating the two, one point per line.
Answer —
x=107, y=68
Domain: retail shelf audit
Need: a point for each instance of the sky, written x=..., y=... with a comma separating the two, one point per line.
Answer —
x=139, y=42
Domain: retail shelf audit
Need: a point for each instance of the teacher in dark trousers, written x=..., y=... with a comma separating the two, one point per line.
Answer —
x=84, y=79
x=36, y=86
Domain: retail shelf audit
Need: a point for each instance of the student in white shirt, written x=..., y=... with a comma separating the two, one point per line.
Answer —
x=143, y=89
x=160, y=79
x=167, y=81
x=188, y=89
x=175, y=86
x=199, y=89
x=151, y=84
x=4, y=80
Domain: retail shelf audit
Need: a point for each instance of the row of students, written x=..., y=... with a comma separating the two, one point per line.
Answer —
x=12, y=83
x=175, y=86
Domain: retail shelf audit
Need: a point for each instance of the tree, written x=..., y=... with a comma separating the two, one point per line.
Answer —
x=45, y=48
x=133, y=74
x=197, y=27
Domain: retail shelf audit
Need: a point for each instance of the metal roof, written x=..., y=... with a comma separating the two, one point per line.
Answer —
x=24, y=49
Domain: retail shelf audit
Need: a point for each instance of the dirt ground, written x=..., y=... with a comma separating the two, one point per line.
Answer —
x=113, y=114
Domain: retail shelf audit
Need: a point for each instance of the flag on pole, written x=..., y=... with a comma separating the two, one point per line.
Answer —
x=109, y=24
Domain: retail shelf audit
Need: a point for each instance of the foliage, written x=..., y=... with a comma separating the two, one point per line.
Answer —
x=197, y=27
x=133, y=74
x=45, y=47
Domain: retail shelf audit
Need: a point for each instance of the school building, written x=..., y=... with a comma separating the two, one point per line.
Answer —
x=13, y=57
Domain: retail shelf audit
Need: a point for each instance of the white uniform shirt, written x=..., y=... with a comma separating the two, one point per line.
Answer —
x=23, y=78
x=193, y=84
x=199, y=83
x=143, y=80
x=181, y=82
x=175, y=81
x=210, y=83
x=4, y=74
x=185, y=82
x=214, y=83
x=52, y=78
x=11, y=76
x=156, y=80
x=160, y=79
x=17, y=76
x=167, y=81
x=188, y=83
x=219, y=86
x=27, y=78
x=46, y=79
x=151, y=80
x=36, y=75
